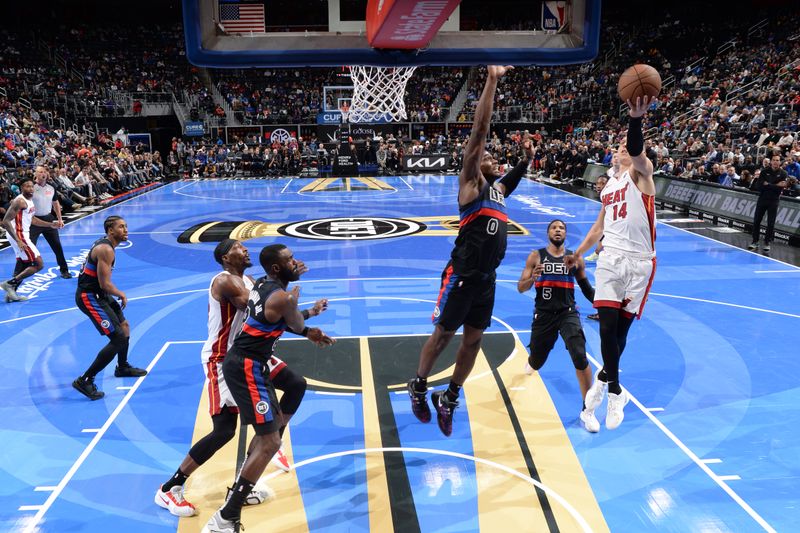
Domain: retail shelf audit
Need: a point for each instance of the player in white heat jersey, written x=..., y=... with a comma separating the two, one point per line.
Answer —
x=227, y=305
x=625, y=269
x=17, y=221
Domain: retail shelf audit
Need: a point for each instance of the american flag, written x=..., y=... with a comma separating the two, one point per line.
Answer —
x=242, y=18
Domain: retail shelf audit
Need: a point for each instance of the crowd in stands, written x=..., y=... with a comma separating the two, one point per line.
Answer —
x=83, y=171
x=206, y=159
x=277, y=96
x=441, y=87
x=720, y=119
x=295, y=96
x=722, y=109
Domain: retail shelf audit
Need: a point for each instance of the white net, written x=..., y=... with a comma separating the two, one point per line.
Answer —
x=378, y=93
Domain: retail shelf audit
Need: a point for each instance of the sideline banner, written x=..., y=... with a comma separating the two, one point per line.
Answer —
x=737, y=206
x=732, y=204
x=426, y=162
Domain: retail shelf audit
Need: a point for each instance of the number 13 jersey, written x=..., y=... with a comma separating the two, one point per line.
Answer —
x=629, y=222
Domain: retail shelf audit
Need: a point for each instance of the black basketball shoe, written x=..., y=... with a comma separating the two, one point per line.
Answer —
x=419, y=403
x=87, y=387
x=444, y=411
x=128, y=371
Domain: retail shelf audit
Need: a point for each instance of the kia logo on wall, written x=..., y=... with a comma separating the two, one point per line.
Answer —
x=354, y=228
x=426, y=162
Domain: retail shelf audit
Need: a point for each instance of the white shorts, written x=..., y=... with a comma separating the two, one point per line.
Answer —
x=29, y=256
x=219, y=395
x=622, y=281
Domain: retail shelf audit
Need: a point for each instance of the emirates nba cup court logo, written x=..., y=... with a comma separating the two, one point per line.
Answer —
x=331, y=229
x=361, y=228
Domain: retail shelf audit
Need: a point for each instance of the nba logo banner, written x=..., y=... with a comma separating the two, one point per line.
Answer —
x=553, y=16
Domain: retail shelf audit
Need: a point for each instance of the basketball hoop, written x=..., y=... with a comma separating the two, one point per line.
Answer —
x=378, y=93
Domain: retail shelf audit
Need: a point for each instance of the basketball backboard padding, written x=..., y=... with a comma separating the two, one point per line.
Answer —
x=408, y=24
x=208, y=46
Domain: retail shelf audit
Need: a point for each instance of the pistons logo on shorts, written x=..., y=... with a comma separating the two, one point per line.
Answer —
x=262, y=407
x=436, y=312
x=104, y=324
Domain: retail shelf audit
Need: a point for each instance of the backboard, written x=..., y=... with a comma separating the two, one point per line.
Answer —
x=300, y=33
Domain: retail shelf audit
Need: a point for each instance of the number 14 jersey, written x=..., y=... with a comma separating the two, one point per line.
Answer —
x=629, y=222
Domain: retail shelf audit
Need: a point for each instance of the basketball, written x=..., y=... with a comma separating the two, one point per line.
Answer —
x=639, y=80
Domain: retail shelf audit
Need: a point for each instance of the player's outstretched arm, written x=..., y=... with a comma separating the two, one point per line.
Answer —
x=471, y=170
x=295, y=321
x=36, y=221
x=635, y=145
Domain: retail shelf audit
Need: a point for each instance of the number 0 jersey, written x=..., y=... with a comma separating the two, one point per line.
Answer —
x=481, y=241
x=555, y=288
x=629, y=222
x=258, y=336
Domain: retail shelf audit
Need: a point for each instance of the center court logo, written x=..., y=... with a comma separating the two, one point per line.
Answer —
x=357, y=228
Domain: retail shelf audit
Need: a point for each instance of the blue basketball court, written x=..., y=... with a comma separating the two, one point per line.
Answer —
x=708, y=442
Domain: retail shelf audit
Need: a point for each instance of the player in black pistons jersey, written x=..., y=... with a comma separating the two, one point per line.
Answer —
x=271, y=310
x=95, y=298
x=555, y=311
x=466, y=296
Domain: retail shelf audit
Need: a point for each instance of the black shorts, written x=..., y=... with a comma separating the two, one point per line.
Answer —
x=544, y=333
x=463, y=301
x=249, y=383
x=103, y=310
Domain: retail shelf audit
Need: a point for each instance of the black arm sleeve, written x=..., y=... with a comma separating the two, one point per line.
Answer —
x=586, y=289
x=635, y=139
x=513, y=177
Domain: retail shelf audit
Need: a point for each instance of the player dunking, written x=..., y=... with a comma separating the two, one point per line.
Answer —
x=625, y=269
x=17, y=221
x=555, y=310
x=95, y=298
x=227, y=305
x=466, y=296
x=271, y=310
